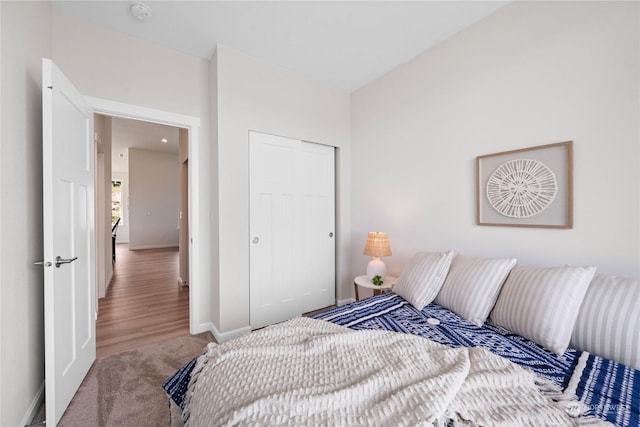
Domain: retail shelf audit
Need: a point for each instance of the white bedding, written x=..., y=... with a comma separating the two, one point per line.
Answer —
x=311, y=372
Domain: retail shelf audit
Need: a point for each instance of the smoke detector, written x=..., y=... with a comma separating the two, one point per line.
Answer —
x=141, y=11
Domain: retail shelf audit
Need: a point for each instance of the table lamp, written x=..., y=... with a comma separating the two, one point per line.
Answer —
x=377, y=245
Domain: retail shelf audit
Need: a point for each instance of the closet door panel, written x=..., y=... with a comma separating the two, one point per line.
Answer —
x=292, y=219
x=272, y=283
x=318, y=192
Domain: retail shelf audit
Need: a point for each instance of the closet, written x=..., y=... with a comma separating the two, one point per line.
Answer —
x=292, y=227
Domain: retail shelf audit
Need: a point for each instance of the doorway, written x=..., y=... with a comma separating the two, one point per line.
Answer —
x=191, y=127
x=142, y=206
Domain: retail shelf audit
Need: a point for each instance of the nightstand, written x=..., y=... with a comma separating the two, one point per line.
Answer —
x=363, y=281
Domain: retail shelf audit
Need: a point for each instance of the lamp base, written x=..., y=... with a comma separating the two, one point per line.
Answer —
x=376, y=268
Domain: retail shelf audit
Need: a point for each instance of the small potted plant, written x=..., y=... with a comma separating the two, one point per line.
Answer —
x=377, y=281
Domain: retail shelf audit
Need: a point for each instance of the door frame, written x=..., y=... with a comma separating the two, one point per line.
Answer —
x=129, y=111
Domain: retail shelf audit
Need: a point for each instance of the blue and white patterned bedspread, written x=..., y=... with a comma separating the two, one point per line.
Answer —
x=609, y=390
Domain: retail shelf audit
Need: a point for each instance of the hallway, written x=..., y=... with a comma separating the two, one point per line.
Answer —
x=144, y=303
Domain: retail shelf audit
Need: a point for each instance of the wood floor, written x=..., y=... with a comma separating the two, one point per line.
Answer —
x=144, y=303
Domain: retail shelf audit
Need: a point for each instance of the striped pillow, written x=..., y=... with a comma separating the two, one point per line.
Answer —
x=608, y=323
x=422, y=278
x=542, y=304
x=472, y=286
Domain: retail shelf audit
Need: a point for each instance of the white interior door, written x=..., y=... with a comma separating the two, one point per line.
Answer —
x=292, y=221
x=68, y=205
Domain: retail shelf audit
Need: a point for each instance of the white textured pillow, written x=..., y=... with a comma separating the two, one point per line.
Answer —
x=422, y=278
x=608, y=324
x=472, y=286
x=542, y=304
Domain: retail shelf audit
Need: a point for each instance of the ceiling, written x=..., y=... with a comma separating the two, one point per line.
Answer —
x=341, y=44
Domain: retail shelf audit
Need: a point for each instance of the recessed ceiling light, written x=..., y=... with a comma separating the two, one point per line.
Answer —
x=141, y=11
x=164, y=140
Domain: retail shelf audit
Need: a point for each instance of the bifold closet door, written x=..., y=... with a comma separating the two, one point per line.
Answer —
x=292, y=226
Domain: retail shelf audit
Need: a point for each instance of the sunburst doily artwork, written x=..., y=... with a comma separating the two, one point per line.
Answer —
x=521, y=188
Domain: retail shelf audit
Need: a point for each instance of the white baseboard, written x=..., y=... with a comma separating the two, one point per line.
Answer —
x=34, y=407
x=226, y=336
x=200, y=328
x=166, y=245
x=220, y=336
x=341, y=302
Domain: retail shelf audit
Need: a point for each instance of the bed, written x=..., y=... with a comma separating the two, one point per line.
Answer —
x=386, y=335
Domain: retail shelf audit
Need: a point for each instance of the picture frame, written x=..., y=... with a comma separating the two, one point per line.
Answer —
x=527, y=187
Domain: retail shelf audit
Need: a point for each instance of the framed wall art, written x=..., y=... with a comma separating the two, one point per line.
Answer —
x=529, y=187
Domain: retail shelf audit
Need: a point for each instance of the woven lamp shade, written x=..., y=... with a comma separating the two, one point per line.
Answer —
x=377, y=244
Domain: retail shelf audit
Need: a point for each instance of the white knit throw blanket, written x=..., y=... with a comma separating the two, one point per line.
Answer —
x=311, y=372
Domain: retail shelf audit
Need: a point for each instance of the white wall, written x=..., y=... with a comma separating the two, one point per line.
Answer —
x=183, y=221
x=533, y=73
x=110, y=65
x=25, y=34
x=154, y=196
x=253, y=95
x=104, y=267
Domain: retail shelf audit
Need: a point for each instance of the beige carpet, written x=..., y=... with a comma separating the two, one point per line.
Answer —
x=126, y=389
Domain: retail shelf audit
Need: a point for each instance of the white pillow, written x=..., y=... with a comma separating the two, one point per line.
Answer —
x=542, y=304
x=472, y=286
x=608, y=324
x=422, y=278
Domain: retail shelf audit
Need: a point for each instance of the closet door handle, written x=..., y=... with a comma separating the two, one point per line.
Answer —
x=256, y=240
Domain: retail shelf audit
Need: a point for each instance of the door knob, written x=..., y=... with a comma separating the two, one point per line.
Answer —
x=255, y=239
x=331, y=234
x=60, y=260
